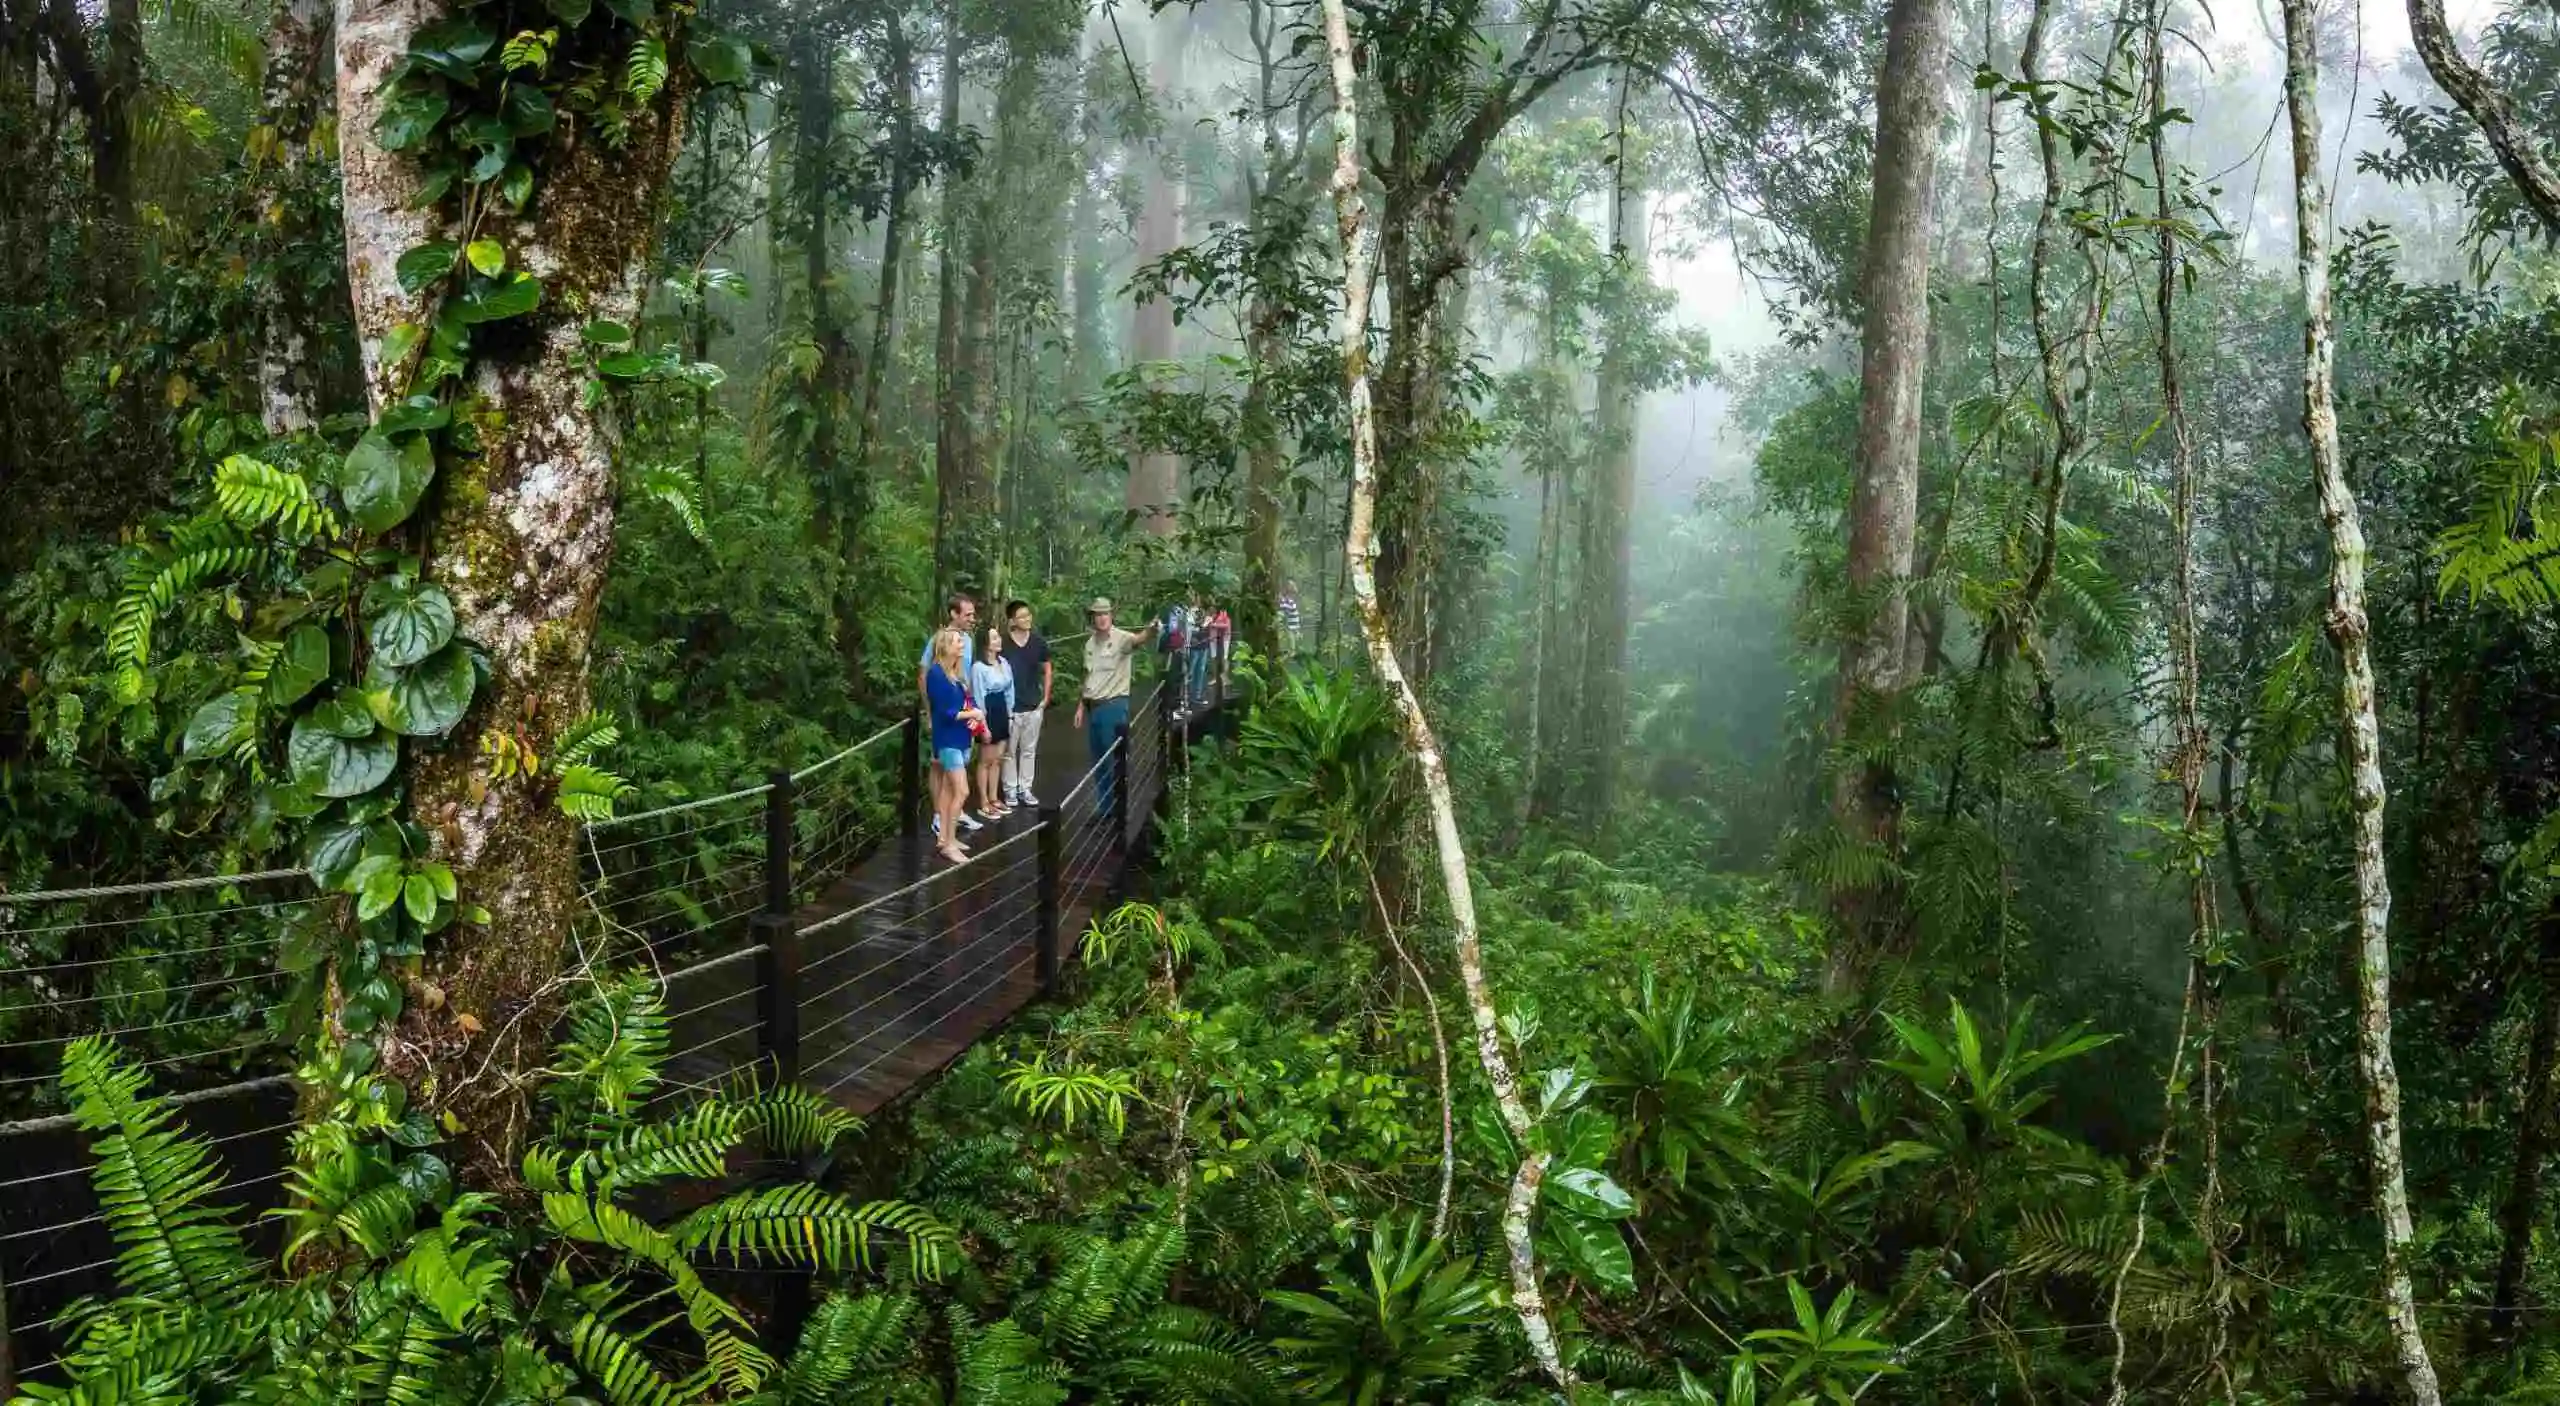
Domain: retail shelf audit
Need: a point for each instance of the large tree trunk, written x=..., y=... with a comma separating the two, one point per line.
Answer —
x=951, y=423
x=289, y=371
x=840, y=488
x=2361, y=732
x=1422, y=255
x=893, y=236
x=1884, y=502
x=1606, y=607
x=1155, y=477
x=520, y=537
x=1359, y=259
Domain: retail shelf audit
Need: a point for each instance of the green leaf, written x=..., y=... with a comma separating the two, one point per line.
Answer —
x=376, y=891
x=528, y=112
x=492, y=161
x=646, y=70
x=633, y=11
x=220, y=725
x=406, y=619
x=333, y=852
x=417, y=413
x=399, y=342
x=1595, y=1250
x=516, y=186
x=420, y=267
x=299, y=665
x=342, y=716
x=338, y=767
x=719, y=58
x=604, y=332
x=383, y=479
x=626, y=365
x=452, y=47
x=570, y=12
x=428, y=700
x=408, y=119
x=512, y=296
x=418, y=896
x=1588, y=1191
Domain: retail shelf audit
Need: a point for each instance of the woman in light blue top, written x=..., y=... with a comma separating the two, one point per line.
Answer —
x=991, y=681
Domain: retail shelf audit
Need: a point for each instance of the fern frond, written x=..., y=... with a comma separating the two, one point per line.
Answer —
x=811, y=1228
x=617, y=1366
x=153, y=1181
x=846, y=1338
x=254, y=494
x=680, y=489
x=790, y=1121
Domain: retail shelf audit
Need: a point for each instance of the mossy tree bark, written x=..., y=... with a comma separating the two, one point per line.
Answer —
x=520, y=537
x=2359, y=726
x=293, y=96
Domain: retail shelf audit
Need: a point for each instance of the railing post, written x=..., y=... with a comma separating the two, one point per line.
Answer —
x=1120, y=771
x=778, y=944
x=1047, y=952
x=911, y=772
x=1170, y=733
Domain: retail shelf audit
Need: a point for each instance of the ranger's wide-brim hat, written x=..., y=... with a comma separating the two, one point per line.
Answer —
x=1099, y=605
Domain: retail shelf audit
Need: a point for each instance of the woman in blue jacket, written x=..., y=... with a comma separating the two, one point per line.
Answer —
x=947, y=698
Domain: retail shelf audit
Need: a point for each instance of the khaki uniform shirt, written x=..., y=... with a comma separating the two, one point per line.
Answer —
x=1107, y=664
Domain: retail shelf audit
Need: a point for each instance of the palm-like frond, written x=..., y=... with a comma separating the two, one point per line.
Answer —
x=812, y=1228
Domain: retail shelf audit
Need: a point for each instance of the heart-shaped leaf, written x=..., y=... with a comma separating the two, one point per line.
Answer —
x=219, y=725
x=486, y=255
x=570, y=12
x=383, y=478
x=604, y=332
x=343, y=716
x=410, y=117
x=299, y=666
x=424, y=265
x=334, y=852
x=426, y=701
x=452, y=47
x=512, y=296
x=405, y=619
x=338, y=767
x=527, y=110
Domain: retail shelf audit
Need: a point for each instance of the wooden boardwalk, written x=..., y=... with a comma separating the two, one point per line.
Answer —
x=900, y=963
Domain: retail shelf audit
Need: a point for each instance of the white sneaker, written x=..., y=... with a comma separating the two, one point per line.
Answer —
x=1026, y=798
x=971, y=822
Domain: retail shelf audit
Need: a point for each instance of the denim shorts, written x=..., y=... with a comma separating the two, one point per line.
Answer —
x=952, y=758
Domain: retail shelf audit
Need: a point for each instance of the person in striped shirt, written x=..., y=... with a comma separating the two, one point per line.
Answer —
x=1289, y=616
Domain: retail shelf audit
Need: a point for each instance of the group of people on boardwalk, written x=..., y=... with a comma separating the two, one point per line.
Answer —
x=987, y=694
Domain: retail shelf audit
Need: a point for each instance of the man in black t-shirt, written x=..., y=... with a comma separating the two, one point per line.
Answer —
x=1033, y=673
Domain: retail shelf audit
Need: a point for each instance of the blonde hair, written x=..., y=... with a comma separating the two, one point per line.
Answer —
x=949, y=646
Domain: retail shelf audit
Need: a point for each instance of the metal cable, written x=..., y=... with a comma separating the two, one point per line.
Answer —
x=57, y=1002
x=816, y=767
x=139, y=956
x=674, y=835
x=877, y=967
x=208, y=881
x=699, y=1007
x=61, y=1121
x=1002, y=932
x=860, y=908
x=92, y=924
x=993, y=877
x=872, y=1063
x=133, y=1030
x=679, y=807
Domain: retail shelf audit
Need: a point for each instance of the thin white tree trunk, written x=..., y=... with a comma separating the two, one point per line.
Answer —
x=297, y=67
x=2347, y=631
x=1359, y=268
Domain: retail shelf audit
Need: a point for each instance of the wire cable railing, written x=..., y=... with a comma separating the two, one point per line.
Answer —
x=806, y=912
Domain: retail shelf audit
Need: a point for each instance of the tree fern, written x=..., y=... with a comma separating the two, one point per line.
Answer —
x=847, y=1338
